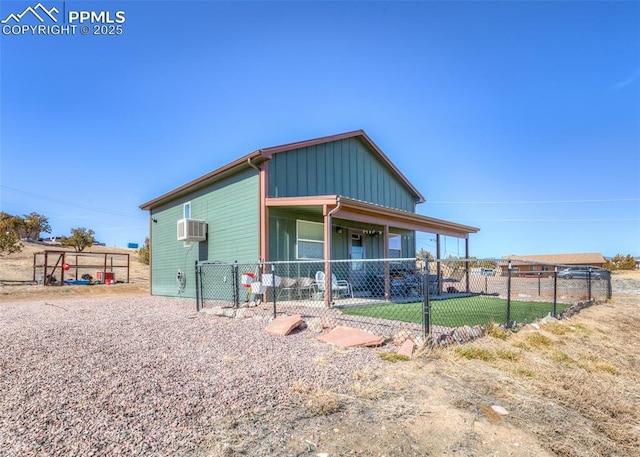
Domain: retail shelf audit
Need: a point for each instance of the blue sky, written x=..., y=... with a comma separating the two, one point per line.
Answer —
x=520, y=118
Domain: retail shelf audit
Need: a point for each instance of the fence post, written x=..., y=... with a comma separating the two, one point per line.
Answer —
x=555, y=291
x=234, y=284
x=274, y=288
x=508, y=323
x=589, y=284
x=467, y=270
x=539, y=285
x=426, y=324
x=198, y=306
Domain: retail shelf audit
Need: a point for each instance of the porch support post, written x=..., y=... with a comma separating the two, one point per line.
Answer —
x=327, y=256
x=385, y=250
x=466, y=256
x=438, y=266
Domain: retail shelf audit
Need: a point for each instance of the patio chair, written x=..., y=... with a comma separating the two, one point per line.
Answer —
x=305, y=286
x=338, y=286
x=287, y=286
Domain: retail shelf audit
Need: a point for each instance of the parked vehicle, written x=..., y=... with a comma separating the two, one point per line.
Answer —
x=477, y=271
x=583, y=273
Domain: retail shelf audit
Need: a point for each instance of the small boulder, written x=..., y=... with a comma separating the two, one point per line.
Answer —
x=407, y=348
x=283, y=325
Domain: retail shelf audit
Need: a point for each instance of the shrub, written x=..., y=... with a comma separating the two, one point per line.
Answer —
x=620, y=262
x=9, y=233
x=143, y=252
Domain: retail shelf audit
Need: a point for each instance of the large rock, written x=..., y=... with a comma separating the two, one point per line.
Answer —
x=351, y=337
x=283, y=325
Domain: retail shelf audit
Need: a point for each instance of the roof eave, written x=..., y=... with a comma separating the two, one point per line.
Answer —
x=461, y=228
x=230, y=168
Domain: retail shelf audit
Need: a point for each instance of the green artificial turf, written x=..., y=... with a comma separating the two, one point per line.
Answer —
x=456, y=312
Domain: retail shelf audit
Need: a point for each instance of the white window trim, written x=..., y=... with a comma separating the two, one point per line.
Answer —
x=298, y=239
x=186, y=208
x=394, y=235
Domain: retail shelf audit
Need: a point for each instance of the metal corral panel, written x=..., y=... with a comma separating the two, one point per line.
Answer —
x=231, y=209
x=344, y=167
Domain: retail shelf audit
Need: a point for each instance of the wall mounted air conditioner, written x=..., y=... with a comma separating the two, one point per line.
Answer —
x=192, y=230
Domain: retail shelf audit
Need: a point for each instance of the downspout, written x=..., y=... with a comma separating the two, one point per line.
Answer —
x=328, y=292
x=335, y=210
x=253, y=165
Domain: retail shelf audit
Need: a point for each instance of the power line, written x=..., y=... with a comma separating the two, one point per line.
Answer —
x=68, y=203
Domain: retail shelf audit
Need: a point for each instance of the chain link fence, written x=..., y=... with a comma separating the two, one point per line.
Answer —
x=447, y=300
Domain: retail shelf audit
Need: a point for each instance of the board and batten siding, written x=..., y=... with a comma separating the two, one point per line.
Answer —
x=231, y=209
x=344, y=167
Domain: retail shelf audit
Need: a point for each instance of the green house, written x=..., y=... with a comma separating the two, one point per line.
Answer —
x=335, y=197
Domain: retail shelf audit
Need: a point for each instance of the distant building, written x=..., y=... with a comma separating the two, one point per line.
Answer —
x=544, y=265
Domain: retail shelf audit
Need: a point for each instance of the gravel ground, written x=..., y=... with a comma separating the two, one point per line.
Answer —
x=147, y=376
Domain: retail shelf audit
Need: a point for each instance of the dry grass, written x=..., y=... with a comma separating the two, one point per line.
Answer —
x=323, y=402
x=495, y=331
x=575, y=381
x=367, y=385
x=475, y=352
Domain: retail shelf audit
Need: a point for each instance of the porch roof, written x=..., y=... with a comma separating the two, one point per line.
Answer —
x=370, y=213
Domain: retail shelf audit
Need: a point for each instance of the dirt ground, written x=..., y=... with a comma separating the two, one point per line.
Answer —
x=569, y=388
x=16, y=275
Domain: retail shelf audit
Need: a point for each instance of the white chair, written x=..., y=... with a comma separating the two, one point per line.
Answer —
x=338, y=286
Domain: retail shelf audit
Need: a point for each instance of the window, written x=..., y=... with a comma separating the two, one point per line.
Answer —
x=395, y=246
x=534, y=268
x=357, y=252
x=310, y=240
x=186, y=210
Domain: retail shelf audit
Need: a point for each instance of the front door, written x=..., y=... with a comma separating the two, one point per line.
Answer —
x=358, y=270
